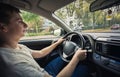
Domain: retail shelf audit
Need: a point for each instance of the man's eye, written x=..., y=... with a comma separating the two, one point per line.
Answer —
x=20, y=22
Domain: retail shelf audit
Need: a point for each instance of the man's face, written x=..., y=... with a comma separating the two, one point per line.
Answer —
x=16, y=27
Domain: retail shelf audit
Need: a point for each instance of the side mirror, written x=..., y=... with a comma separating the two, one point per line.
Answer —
x=59, y=32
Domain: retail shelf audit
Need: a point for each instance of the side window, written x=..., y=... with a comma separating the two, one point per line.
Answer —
x=38, y=26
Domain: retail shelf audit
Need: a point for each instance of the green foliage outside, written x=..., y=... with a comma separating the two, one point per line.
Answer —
x=91, y=20
x=34, y=23
x=38, y=34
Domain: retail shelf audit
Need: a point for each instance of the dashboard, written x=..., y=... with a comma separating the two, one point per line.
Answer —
x=106, y=53
x=105, y=48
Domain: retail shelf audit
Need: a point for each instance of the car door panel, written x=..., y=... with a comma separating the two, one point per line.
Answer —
x=37, y=44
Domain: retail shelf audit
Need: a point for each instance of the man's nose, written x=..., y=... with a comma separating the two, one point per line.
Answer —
x=25, y=25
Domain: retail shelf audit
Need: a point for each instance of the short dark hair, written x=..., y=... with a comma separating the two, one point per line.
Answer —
x=6, y=11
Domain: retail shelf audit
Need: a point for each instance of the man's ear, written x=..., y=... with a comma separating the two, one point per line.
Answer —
x=3, y=27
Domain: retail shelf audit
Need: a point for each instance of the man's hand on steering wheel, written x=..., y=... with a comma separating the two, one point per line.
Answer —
x=80, y=54
x=60, y=40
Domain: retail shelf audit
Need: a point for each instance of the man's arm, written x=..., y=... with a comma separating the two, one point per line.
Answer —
x=68, y=70
x=46, y=50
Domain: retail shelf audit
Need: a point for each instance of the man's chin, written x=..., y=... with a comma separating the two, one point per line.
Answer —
x=22, y=35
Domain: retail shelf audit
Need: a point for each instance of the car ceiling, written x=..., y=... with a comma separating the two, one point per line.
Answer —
x=47, y=5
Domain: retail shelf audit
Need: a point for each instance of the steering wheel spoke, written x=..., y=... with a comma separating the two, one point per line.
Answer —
x=64, y=55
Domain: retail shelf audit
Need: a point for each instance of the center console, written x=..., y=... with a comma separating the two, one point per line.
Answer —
x=107, y=54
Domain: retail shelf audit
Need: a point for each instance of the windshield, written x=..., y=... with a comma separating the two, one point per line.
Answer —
x=79, y=18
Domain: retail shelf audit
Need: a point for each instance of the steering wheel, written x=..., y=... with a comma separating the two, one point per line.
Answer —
x=69, y=48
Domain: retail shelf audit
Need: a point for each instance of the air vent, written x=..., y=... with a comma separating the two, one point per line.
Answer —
x=112, y=39
x=116, y=40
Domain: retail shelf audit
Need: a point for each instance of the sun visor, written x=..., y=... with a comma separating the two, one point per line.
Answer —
x=23, y=4
x=53, y=5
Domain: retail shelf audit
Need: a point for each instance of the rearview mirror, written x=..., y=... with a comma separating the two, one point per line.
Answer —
x=103, y=4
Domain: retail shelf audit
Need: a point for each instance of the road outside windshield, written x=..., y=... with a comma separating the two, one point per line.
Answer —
x=79, y=18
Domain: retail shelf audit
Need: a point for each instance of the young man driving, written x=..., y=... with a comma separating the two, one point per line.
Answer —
x=17, y=60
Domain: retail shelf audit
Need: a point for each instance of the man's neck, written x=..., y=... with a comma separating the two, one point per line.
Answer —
x=10, y=44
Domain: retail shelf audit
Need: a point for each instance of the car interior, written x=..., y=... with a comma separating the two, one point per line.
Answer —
x=103, y=48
